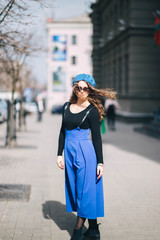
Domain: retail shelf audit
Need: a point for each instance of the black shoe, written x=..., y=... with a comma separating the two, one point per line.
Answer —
x=77, y=234
x=92, y=234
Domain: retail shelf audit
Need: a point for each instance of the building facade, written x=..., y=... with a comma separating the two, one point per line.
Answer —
x=125, y=57
x=70, y=49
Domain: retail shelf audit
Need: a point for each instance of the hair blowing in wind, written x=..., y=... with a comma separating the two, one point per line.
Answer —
x=95, y=97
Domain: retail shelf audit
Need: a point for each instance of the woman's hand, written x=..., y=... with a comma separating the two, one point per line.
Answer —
x=99, y=171
x=60, y=162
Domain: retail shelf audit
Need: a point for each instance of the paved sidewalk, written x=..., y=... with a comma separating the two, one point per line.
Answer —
x=131, y=185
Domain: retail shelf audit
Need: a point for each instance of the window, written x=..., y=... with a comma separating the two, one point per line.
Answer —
x=120, y=76
x=90, y=61
x=74, y=60
x=126, y=73
x=115, y=17
x=74, y=39
x=121, y=6
x=91, y=40
x=109, y=74
x=114, y=74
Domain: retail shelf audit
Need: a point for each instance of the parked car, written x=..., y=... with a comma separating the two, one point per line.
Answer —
x=3, y=110
x=57, y=109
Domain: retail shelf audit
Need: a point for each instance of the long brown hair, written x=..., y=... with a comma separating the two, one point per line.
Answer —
x=95, y=97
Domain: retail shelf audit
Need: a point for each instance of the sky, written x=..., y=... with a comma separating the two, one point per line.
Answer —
x=60, y=9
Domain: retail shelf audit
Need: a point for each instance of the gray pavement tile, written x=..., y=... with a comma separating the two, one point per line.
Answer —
x=7, y=238
x=27, y=234
x=27, y=237
x=36, y=238
x=37, y=234
x=18, y=237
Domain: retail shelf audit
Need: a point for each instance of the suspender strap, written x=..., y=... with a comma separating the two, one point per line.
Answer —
x=65, y=108
x=85, y=117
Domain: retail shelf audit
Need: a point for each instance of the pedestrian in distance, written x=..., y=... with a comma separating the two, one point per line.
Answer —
x=110, y=111
x=40, y=109
x=83, y=157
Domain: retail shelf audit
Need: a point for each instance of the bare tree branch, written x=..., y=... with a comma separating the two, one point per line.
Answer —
x=9, y=6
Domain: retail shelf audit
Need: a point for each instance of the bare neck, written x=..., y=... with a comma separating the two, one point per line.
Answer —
x=81, y=102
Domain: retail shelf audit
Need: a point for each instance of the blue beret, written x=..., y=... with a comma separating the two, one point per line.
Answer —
x=84, y=77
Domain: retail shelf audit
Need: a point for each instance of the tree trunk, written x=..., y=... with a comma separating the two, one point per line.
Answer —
x=21, y=113
x=12, y=127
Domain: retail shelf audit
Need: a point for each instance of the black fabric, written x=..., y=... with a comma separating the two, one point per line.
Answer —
x=93, y=223
x=111, y=109
x=92, y=234
x=80, y=222
x=72, y=120
x=77, y=234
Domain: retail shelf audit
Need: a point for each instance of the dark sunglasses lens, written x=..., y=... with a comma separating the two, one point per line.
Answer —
x=77, y=88
x=85, y=89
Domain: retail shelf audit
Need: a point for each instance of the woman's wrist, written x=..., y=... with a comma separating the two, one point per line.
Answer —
x=100, y=164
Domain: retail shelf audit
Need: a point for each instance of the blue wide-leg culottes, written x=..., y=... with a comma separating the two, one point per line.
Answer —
x=84, y=192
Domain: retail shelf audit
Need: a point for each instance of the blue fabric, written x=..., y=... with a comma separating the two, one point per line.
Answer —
x=84, y=193
x=84, y=77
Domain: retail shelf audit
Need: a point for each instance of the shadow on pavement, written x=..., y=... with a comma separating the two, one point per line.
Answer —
x=57, y=212
x=128, y=140
x=26, y=146
x=20, y=147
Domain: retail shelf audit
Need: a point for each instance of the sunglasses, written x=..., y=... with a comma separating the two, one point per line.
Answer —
x=79, y=89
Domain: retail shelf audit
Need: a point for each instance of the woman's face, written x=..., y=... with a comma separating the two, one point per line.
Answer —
x=82, y=90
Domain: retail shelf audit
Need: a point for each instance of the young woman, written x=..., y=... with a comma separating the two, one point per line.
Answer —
x=83, y=157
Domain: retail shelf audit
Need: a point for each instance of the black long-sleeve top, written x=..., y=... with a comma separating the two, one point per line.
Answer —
x=72, y=120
